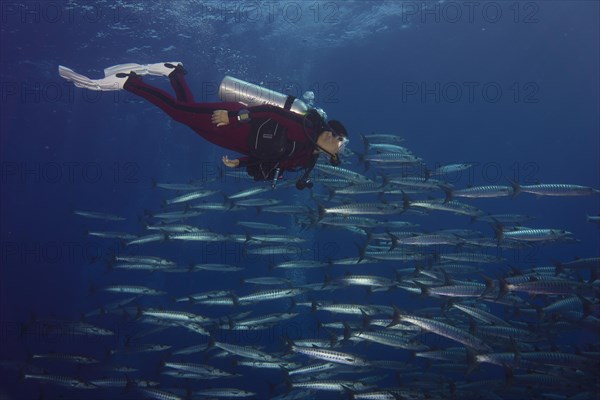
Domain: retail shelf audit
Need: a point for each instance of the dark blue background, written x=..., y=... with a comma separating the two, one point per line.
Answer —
x=63, y=148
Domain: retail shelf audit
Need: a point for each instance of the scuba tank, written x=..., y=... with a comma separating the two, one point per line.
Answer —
x=238, y=91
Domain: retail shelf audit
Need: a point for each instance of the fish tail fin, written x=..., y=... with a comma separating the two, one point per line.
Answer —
x=508, y=376
x=288, y=385
x=326, y=280
x=588, y=306
x=211, y=343
x=395, y=317
x=321, y=211
x=472, y=362
x=394, y=239
x=498, y=231
x=347, y=331
x=425, y=290
x=361, y=252
x=448, y=191
x=405, y=201
x=366, y=319
x=228, y=202
x=503, y=288
x=489, y=286
x=558, y=268
x=539, y=311
x=515, y=187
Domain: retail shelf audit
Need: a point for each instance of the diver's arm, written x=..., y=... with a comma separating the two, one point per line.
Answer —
x=265, y=111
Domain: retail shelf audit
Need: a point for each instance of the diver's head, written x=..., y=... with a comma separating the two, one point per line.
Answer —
x=333, y=140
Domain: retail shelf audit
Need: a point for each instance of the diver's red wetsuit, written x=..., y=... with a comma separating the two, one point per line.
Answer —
x=233, y=136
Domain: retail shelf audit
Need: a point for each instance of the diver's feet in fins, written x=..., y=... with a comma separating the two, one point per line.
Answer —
x=158, y=69
x=108, y=83
x=126, y=75
x=114, y=76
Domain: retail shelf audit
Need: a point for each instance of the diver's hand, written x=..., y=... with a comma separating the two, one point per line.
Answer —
x=230, y=163
x=220, y=118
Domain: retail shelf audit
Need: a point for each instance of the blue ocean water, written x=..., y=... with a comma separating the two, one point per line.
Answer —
x=510, y=87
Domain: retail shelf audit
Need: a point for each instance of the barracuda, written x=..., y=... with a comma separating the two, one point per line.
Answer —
x=329, y=355
x=173, y=315
x=457, y=290
x=98, y=215
x=113, y=235
x=288, y=209
x=176, y=215
x=443, y=205
x=366, y=280
x=160, y=394
x=393, y=158
x=139, y=290
x=224, y=392
x=534, y=235
x=391, y=339
x=299, y=264
x=248, y=192
x=268, y=295
x=546, y=286
x=145, y=260
x=177, y=186
x=443, y=329
x=508, y=332
x=215, y=267
x=247, y=352
x=197, y=236
x=360, y=222
x=558, y=189
x=325, y=385
x=481, y=315
x=199, y=369
x=226, y=206
x=267, y=280
x=257, y=202
x=362, y=188
x=352, y=309
x=268, y=365
x=191, y=196
x=144, y=267
x=430, y=240
x=381, y=138
x=174, y=228
x=261, y=225
x=276, y=239
x=264, y=319
x=156, y=237
x=313, y=369
x=67, y=357
x=450, y=168
x=60, y=380
x=345, y=174
x=363, y=208
x=481, y=192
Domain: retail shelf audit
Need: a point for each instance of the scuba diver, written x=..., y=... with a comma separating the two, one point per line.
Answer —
x=289, y=137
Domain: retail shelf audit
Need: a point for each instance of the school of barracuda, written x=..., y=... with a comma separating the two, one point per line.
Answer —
x=452, y=320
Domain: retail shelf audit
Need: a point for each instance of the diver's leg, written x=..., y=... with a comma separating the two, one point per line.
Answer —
x=198, y=116
x=179, y=85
